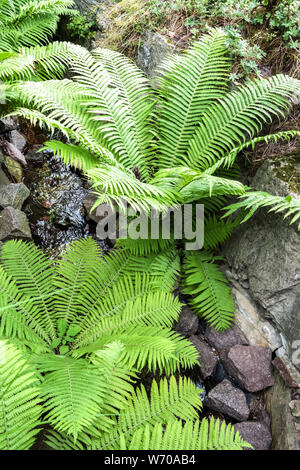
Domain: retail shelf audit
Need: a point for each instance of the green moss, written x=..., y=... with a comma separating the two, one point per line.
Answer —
x=288, y=170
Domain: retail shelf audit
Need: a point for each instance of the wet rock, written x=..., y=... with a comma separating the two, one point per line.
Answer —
x=188, y=322
x=257, y=330
x=266, y=251
x=250, y=366
x=283, y=423
x=225, y=340
x=13, y=224
x=35, y=157
x=207, y=358
x=18, y=140
x=256, y=433
x=88, y=204
x=13, y=195
x=7, y=124
x=153, y=50
x=228, y=400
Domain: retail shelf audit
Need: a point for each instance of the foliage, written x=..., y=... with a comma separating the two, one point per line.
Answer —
x=81, y=26
x=30, y=22
x=190, y=129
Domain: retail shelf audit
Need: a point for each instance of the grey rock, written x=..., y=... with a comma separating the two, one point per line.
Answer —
x=225, y=340
x=33, y=156
x=283, y=423
x=153, y=50
x=228, y=400
x=86, y=6
x=256, y=433
x=188, y=322
x=7, y=124
x=13, y=195
x=266, y=252
x=13, y=224
x=250, y=366
x=88, y=204
x=207, y=358
x=18, y=140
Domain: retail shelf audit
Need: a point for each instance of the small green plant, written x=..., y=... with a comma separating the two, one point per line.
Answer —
x=81, y=26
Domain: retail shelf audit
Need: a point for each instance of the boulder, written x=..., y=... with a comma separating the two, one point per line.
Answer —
x=207, y=358
x=229, y=400
x=250, y=366
x=14, y=168
x=13, y=195
x=153, y=50
x=18, y=140
x=13, y=224
x=88, y=204
x=285, y=433
x=7, y=124
x=188, y=322
x=256, y=433
x=265, y=252
x=225, y=340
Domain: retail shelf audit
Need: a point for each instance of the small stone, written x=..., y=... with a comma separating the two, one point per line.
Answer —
x=188, y=322
x=225, y=340
x=18, y=140
x=256, y=433
x=13, y=195
x=228, y=400
x=13, y=224
x=207, y=358
x=251, y=366
x=7, y=125
x=295, y=408
x=88, y=204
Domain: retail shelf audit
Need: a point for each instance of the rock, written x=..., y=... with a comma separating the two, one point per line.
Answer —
x=14, y=169
x=13, y=195
x=7, y=125
x=86, y=6
x=88, y=204
x=18, y=140
x=225, y=340
x=13, y=224
x=284, y=432
x=207, y=358
x=284, y=372
x=35, y=157
x=3, y=178
x=265, y=251
x=228, y=400
x=188, y=322
x=250, y=366
x=256, y=433
x=153, y=50
x=295, y=408
x=257, y=330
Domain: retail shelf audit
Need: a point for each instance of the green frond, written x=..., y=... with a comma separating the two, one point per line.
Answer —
x=211, y=296
x=205, y=435
x=32, y=272
x=208, y=185
x=145, y=247
x=216, y=231
x=72, y=391
x=74, y=155
x=188, y=89
x=136, y=94
x=20, y=409
x=239, y=117
x=254, y=200
x=169, y=401
x=160, y=349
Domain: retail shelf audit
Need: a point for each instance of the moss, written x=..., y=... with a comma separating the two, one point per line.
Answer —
x=288, y=170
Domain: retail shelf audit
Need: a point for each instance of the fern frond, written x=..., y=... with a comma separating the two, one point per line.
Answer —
x=196, y=80
x=20, y=409
x=216, y=231
x=207, y=435
x=32, y=271
x=169, y=401
x=254, y=200
x=211, y=297
x=238, y=117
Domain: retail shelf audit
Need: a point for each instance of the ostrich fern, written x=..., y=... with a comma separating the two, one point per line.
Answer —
x=165, y=147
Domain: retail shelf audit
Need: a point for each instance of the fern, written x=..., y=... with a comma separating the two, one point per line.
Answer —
x=211, y=297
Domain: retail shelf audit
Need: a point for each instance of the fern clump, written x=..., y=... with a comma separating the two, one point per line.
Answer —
x=73, y=338
x=165, y=147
